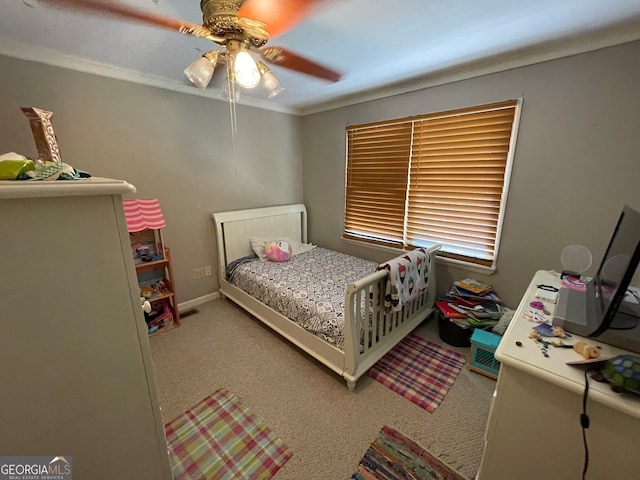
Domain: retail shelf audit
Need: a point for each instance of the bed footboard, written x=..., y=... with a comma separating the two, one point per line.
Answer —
x=370, y=331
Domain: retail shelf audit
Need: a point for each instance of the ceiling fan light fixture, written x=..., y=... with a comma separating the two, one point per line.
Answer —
x=201, y=71
x=269, y=81
x=245, y=69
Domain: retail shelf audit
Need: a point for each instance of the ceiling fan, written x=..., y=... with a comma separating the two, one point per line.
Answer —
x=241, y=28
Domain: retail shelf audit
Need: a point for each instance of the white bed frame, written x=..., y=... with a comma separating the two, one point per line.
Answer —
x=233, y=230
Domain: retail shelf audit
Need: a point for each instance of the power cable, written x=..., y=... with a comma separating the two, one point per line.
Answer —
x=584, y=422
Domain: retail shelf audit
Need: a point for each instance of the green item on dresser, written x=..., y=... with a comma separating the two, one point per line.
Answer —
x=623, y=372
x=13, y=169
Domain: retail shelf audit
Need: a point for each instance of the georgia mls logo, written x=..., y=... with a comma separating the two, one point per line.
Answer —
x=60, y=465
x=35, y=468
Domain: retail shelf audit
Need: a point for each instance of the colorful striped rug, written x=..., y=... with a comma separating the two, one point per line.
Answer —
x=392, y=456
x=419, y=370
x=219, y=438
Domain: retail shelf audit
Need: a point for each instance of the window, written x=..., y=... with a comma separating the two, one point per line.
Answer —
x=436, y=178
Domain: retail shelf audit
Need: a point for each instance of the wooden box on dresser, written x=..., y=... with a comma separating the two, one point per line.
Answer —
x=76, y=373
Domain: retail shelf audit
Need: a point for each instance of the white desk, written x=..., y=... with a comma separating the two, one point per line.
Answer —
x=534, y=429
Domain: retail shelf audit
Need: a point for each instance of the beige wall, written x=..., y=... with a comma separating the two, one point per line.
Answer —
x=172, y=146
x=577, y=159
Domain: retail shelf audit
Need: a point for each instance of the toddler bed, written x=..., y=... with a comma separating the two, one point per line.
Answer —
x=329, y=304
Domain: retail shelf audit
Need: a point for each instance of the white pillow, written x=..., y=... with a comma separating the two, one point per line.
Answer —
x=258, y=243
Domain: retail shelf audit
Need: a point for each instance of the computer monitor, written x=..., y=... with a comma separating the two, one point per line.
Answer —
x=617, y=269
x=601, y=310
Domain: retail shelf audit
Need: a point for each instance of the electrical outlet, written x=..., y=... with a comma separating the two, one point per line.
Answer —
x=197, y=273
x=207, y=271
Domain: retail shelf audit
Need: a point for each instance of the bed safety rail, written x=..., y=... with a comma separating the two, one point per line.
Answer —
x=371, y=330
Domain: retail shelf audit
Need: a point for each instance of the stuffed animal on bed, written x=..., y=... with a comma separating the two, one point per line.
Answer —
x=278, y=251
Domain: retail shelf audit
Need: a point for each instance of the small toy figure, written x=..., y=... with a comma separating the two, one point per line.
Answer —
x=559, y=332
x=146, y=292
x=587, y=350
x=160, y=287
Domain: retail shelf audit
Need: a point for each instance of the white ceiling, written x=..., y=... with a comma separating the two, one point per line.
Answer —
x=378, y=46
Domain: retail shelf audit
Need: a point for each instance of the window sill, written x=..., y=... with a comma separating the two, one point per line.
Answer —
x=472, y=267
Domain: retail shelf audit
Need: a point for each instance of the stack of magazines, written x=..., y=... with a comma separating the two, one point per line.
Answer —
x=471, y=303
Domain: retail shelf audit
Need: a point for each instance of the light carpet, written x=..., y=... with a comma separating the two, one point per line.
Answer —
x=307, y=405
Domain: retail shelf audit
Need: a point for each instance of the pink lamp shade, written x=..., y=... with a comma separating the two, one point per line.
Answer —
x=143, y=213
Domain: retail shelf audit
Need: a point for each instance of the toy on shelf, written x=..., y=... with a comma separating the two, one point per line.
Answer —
x=146, y=292
x=146, y=306
x=160, y=287
x=161, y=317
x=147, y=246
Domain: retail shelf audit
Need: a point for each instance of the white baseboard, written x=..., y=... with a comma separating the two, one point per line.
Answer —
x=184, y=306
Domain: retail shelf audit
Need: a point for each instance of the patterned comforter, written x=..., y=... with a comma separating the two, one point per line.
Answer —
x=308, y=289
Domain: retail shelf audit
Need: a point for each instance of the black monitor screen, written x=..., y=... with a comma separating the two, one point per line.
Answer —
x=615, y=273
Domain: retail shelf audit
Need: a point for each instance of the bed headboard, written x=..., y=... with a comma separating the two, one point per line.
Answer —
x=234, y=228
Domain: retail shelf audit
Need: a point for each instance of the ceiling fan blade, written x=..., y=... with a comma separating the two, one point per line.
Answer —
x=285, y=58
x=117, y=10
x=278, y=15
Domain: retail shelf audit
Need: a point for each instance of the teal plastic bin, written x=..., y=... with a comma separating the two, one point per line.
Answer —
x=483, y=346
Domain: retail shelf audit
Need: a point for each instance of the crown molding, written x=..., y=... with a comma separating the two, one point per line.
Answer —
x=54, y=58
x=525, y=57
x=522, y=58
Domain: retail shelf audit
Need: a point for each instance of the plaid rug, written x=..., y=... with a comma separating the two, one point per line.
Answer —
x=419, y=370
x=392, y=456
x=220, y=439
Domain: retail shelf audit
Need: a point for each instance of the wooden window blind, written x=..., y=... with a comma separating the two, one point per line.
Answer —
x=437, y=178
x=377, y=174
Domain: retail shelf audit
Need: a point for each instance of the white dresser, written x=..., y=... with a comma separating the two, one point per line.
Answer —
x=76, y=377
x=534, y=431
